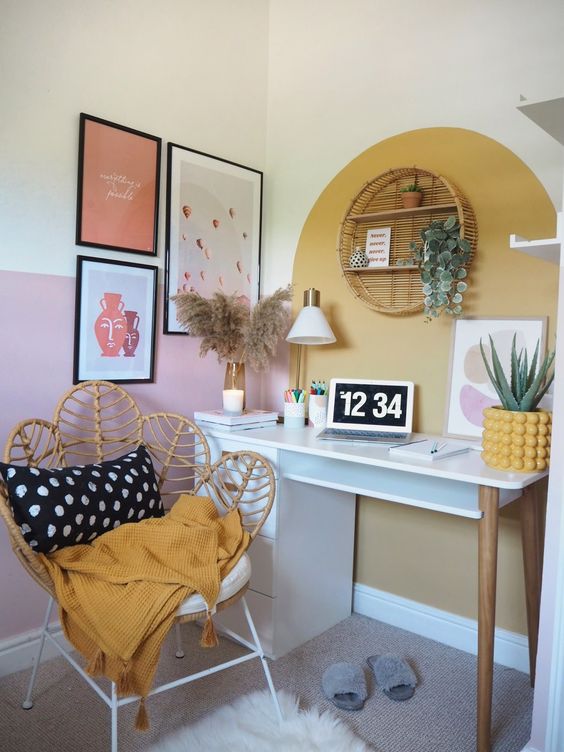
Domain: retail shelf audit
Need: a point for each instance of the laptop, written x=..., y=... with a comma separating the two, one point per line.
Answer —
x=369, y=410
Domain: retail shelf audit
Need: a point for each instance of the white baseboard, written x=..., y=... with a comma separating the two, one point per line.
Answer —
x=18, y=653
x=511, y=649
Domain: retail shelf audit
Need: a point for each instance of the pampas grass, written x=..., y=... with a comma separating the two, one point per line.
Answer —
x=228, y=328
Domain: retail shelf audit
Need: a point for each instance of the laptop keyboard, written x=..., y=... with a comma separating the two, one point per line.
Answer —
x=327, y=432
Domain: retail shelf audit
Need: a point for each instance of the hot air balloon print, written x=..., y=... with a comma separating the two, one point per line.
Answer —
x=203, y=276
x=187, y=276
x=220, y=278
x=200, y=243
x=187, y=210
x=245, y=236
x=239, y=267
x=207, y=253
x=249, y=278
x=232, y=213
x=183, y=236
x=215, y=223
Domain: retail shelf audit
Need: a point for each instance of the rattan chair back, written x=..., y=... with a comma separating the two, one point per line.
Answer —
x=97, y=420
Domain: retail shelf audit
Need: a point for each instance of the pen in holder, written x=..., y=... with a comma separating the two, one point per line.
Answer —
x=294, y=408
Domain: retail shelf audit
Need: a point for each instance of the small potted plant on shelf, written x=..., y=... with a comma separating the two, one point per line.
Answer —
x=441, y=258
x=411, y=195
x=517, y=433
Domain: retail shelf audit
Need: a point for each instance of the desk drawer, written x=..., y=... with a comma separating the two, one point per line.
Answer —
x=220, y=445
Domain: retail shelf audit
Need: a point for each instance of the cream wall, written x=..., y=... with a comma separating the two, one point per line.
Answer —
x=343, y=76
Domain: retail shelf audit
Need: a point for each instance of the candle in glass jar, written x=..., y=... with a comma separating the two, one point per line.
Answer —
x=233, y=401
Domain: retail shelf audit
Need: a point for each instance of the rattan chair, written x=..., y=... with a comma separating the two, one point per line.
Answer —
x=97, y=421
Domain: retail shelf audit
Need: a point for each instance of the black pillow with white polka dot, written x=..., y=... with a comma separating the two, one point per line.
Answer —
x=69, y=505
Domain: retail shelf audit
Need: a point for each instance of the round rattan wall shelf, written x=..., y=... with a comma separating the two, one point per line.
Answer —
x=396, y=289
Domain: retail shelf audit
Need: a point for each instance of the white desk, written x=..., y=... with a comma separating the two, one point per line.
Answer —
x=303, y=561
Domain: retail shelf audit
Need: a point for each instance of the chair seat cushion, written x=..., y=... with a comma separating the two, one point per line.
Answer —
x=63, y=506
x=235, y=580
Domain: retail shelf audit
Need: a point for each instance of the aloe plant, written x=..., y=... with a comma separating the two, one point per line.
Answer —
x=527, y=385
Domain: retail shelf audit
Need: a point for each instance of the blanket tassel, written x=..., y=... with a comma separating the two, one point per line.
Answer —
x=142, y=719
x=209, y=635
x=123, y=686
x=96, y=665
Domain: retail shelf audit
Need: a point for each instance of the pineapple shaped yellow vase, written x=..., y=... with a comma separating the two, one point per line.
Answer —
x=516, y=441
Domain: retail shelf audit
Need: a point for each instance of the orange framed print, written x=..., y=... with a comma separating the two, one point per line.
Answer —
x=118, y=187
x=115, y=315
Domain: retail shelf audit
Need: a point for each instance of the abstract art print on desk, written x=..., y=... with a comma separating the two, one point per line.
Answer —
x=114, y=321
x=213, y=229
x=470, y=389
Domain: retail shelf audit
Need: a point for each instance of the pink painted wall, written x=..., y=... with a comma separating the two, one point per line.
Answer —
x=36, y=343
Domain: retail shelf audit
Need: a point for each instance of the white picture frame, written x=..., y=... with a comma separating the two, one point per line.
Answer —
x=469, y=389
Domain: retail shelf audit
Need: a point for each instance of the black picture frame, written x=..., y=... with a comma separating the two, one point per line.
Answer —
x=120, y=346
x=213, y=228
x=118, y=187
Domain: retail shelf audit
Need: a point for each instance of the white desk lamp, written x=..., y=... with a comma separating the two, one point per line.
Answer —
x=310, y=327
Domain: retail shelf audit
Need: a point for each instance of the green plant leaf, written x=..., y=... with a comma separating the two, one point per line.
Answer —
x=490, y=373
x=457, y=298
x=465, y=245
x=461, y=273
x=530, y=397
x=461, y=286
x=449, y=223
x=425, y=277
x=446, y=276
x=510, y=402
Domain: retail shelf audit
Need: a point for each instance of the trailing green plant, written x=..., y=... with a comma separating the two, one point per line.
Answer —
x=411, y=188
x=441, y=258
x=527, y=384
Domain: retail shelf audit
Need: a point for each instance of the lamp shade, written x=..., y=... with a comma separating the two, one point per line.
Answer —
x=310, y=326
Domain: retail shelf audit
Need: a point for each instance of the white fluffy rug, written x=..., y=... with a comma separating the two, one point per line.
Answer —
x=250, y=725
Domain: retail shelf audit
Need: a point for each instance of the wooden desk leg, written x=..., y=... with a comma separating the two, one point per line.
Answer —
x=487, y=577
x=531, y=530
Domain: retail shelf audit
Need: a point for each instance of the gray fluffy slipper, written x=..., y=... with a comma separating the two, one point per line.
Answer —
x=393, y=676
x=345, y=685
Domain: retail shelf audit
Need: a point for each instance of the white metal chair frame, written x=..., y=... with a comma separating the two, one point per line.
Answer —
x=98, y=420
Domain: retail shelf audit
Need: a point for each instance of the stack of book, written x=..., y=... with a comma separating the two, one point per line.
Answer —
x=248, y=419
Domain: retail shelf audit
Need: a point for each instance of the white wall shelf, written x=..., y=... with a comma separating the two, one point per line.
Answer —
x=547, y=250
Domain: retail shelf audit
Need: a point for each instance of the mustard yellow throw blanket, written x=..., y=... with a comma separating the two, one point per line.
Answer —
x=118, y=596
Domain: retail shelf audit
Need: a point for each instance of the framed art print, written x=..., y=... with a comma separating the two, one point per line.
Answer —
x=116, y=304
x=118, y=187
x=470, y=390
x=213, y=229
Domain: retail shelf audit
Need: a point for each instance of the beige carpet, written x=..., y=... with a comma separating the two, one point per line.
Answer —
x=439, y=718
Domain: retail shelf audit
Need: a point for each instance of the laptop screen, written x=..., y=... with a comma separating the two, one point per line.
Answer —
x=368, y=404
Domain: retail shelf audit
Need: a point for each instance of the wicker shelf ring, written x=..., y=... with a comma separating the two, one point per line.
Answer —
x=396, y=290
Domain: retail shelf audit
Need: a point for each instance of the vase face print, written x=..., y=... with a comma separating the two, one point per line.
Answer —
x=110, y=327
x=132, y=335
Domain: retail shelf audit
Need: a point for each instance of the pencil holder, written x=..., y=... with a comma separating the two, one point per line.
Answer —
x=294, y=414
x=318, y=410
